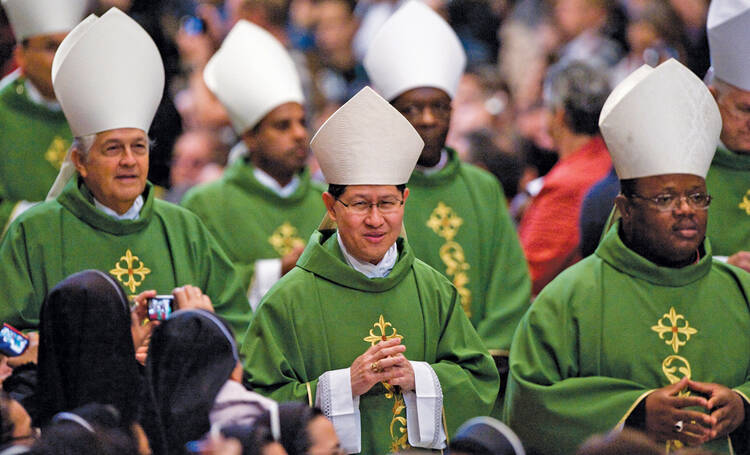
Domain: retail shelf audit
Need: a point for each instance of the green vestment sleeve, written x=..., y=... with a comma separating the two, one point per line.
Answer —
x=615, y=327
x=728, y=182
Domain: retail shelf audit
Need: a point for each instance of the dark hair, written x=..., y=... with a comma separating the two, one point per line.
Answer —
x=580, y=90
x=294, y=418
x=627, y=187
x=253, y=438
x=337, y=190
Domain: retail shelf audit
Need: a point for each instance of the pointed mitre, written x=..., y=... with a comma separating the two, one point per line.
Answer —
x=415, y=48
x=251, y=75
x=661, y=120
x=43, y=17
x=728, y=27
x=108, y=74
x=367, y=142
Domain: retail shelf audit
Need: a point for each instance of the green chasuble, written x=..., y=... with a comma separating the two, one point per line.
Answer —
x=323, y=314
x=166, y=247
x=614, y=327
x=728, y=182
x=457, y=221
x=33, y=143
x=252, y=222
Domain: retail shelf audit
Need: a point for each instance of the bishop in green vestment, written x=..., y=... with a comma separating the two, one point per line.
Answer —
x=34, y=134
x=458, y=220
x=265, y=206
x=648, y=332
x=728, y=180
x=106, y=217
x=360, y=327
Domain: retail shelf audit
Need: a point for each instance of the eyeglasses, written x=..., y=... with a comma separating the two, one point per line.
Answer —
x=667, y=202
x=386, y=206
x=438, y=109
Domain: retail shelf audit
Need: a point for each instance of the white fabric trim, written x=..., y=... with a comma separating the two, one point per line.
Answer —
x=75, y=418
x=334, y=397
x=424, y=409
x=267, y=272
x=37, y=98
x=132, y=214
x=723, y=259
x=436, y=168
x=273, y=185
x=379, y=270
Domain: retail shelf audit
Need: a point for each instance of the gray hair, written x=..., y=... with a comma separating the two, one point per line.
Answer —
x=580, y=90
x=83, y=144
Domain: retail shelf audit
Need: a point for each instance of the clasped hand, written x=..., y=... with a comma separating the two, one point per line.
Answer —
x=666, y=408
x=383, y=362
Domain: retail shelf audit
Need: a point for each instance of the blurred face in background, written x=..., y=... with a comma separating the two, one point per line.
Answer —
x=34, y=56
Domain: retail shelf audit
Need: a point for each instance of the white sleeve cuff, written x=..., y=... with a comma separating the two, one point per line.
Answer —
x=723, y=259
x=267, y=273
x=334, y=398
x=424, y=409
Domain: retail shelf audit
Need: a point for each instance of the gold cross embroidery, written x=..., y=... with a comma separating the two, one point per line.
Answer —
x=130, y=270
x=745, y=204
x=284, y=239
x=674, y=329
x=383, y=326
x=56, y=151
x=399, y=434
x=444, y=221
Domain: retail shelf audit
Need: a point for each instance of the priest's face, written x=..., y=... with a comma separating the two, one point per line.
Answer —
x=34, y=57
x=734, y=105
x=367, y=234
x=116, y=167
x=668, y=238
x=428, y=110
x=278, y=145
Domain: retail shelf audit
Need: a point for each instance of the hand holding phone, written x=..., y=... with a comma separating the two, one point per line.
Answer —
x=12, y=341
x=160, y=307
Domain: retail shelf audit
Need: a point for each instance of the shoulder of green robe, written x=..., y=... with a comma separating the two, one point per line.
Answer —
x=573, y=284
x=175, y=212
x=202, y=193
x=481, y=178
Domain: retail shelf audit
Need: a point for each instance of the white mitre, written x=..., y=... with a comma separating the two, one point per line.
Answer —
x=108, y=74
x=415, y=48
x=367, y=142
x=661, y=120
x=43, y=17
x=728, y=27
x=251, y=75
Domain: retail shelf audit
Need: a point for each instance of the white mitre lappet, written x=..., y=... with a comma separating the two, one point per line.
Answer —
x=415, y=48
x=43, y=17
x=251, y=75
x=107, y=74
x=728, y=27
x=659, y=121
x=367, y=142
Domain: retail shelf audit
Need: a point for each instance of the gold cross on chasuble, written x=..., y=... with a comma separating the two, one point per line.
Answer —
x=130, y=266
x=399, y=435
x=284, y=239
x=56, y=151
x=745, y=204
x=674, y=329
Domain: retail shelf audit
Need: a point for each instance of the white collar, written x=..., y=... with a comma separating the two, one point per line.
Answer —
x=273, y=185
x=436, y=168
x=132, y=214
x=379, y=270
x=37, y=97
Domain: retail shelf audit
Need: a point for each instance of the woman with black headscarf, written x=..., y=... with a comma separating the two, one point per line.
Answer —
x=86, y=348
x=194, y=375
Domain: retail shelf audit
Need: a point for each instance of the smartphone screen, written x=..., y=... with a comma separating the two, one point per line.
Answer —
x=160, y=307
x=12, y=342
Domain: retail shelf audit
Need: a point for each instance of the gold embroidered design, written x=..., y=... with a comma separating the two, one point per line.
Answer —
x=131, y=267
x=675, y=368
x=56, y=151
x=674, y=329
x=445, y=222
x=399, y=434
x=284, y=239
x=745, y=204
x=383, y=326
